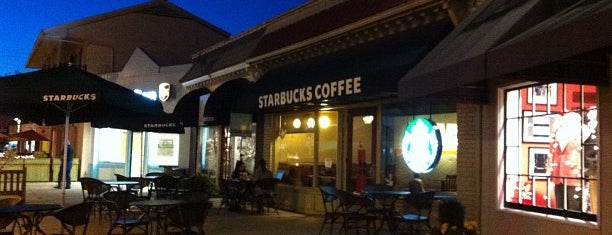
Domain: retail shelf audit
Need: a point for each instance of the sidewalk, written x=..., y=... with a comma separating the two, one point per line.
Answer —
x=225, y=222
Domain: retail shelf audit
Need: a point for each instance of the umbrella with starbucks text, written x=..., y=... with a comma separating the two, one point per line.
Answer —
x=66, y=95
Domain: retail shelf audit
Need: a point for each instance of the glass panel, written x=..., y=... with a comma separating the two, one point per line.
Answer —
x=211, y=152
x=162, y=151
x=138, y=152
x=512, y=160
x=512, y=104
x=512, y=132
x=362, y=168
x=328, y=147
x=294, y=155
x=110, y=153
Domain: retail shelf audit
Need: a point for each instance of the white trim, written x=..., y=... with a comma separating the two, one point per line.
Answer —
x=219, y=73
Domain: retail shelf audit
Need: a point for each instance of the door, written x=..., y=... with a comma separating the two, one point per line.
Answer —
x=361, y=149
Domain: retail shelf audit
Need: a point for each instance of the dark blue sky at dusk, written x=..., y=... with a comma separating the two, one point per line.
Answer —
x=22, y=21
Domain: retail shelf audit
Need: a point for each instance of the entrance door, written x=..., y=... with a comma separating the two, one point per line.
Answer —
x=361, y=149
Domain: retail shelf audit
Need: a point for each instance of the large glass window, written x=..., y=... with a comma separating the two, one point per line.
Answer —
x=550, y=150
x=162, y=150
x=306, y=161
x=110, y=153
x=396, y=171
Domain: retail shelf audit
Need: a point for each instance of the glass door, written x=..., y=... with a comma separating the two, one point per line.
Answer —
x=361, y=159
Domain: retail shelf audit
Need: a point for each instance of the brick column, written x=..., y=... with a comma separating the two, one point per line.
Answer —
x=469, y=152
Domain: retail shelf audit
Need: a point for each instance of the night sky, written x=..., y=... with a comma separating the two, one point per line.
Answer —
x=22, y=21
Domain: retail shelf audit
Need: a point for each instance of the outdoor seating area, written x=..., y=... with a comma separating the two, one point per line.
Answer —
x=193, y=208
x=380, y=209
x=260, y=195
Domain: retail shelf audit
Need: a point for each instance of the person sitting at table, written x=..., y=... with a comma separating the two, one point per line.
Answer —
x=416, y=184
x=241, y=186
x=261, y=170
x=240, y=173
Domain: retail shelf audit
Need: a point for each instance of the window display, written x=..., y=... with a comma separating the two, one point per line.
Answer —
x=550, y=163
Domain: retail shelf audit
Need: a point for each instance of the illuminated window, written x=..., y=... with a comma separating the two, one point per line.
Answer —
x=295, y=152
x=551, y=150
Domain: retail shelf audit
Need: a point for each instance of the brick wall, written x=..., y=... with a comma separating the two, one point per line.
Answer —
x=469, y=120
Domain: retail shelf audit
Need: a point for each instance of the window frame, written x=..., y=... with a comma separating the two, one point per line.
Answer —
x=515, y=171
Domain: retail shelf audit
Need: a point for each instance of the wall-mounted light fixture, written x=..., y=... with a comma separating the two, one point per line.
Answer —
x=324, y=122
x=297, y=123
x=368, y=119
x=310, y=123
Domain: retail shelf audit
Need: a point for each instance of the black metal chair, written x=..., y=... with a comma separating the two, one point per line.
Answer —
x=224, y=193
x=92, y=190
x=356, y=212
x=74, y=216
x=383, y=202
x=449, y=183
x=331, y=204
x=418, y=212
x=185, y=217
x=165, y=187
x=136, y=189
x=7, y=219
x=265, y=194
x=127, y=217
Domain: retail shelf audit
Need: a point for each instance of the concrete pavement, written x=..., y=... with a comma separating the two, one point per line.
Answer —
x=225, y=222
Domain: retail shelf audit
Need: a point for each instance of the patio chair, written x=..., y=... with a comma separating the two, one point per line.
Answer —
x=224, y=193
x=183, y=218
x=194, y=196
x=331, y=204
x=13, y=183
x=127, y=217
x=74, y=216
x=449, y=184
x=7, y=219
x=165, y=187
x=92, y=190
x=418, y=211
x=265, y=194
x=136, y=189
x=356, y=212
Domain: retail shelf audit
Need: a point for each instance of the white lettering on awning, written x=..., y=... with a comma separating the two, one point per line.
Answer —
x=70, y=97
x=159, y=125
x=349, y=86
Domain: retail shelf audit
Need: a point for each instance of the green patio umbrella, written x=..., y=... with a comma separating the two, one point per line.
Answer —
x=66, y=95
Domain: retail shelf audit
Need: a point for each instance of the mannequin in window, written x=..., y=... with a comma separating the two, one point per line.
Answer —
x=566, y=166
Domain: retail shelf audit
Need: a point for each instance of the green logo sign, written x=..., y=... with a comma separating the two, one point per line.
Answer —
x=422, y=145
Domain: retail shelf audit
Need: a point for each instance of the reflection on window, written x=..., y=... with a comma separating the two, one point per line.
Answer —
x=551, y=149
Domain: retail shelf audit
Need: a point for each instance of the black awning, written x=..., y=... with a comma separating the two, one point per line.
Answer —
x=231, y=97
x=187, y=108
x=375, y=67
x=459, y=59
x=578, y=30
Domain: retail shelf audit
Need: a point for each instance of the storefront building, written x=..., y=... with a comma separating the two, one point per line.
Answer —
x=135, y=55
x=532, y=153
x=322, y=92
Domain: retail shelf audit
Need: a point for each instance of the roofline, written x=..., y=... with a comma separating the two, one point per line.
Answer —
x=132, y=9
